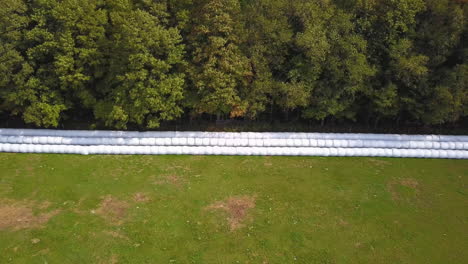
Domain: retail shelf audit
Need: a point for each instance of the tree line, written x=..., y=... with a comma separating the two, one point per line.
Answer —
x=144, y=62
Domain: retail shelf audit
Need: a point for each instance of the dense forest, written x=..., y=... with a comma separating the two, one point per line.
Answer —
x=140, y=63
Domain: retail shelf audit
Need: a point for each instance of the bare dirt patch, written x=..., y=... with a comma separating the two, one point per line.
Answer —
x=237, y=209
x=15, y=215
x=141, y=198
x=113, y=210
x=406, y=182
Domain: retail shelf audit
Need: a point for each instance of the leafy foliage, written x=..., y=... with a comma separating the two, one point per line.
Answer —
x=143, y=62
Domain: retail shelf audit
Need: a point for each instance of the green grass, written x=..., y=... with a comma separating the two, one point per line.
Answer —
x=307, y=209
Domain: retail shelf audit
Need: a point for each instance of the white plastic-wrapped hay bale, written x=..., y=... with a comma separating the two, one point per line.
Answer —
x=296, y=143
x=5, y=147
x=210, y=141
x=321, y=143
x=333, y=152
x=221, y=141
x=147, y=141
x=175, y=141
x=191, y=141
x=258, y=142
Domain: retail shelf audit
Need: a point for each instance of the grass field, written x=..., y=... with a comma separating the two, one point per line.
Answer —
x=192, y=209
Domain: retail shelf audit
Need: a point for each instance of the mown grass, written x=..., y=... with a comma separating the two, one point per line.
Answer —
x=307, y=209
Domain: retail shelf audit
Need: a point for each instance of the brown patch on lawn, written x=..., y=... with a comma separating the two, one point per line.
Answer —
x=171, y=179
x=236, y=208
x=16, y=215
x=112, y=210
x=141, y=198
x=45, y=205
x=406, y=182
x=411, y=183
x=112, y=260
x=343, y=223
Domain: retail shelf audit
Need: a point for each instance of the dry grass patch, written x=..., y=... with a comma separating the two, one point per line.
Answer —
x=16, y=215
x=112, y=260
x=171, y=179
x=141, y=198
x=237, y=209
x=113, y=210
x=406, y=182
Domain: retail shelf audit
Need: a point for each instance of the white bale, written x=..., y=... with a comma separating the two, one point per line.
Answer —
x=444, y=145
x=313, y=143
x=183, y=141
x=336, y=143
x=452, y=145
x=163, y=150
x=359, y=143
x=349, y=152
x=458, y=145
x=428, y=145
x=320, y=143
x=333, y=152
x=8, y=147
x=137, y=150
x=143, y=141
x=262, y=151
x=427, y=153
x=452, y=154
x=191, y=141
x=46, y=148
x=221, y=142
x=154, y=150
x=198, y=142
x=325, y=151
x=329, y=143
x=464, y=154
x=259, y=142
x=297, y=142
x=244, y=142
x=305, y=142
x=175, y=141
x=465, y=146
x=134, y=141
x=178, y=150
x=415, y=153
